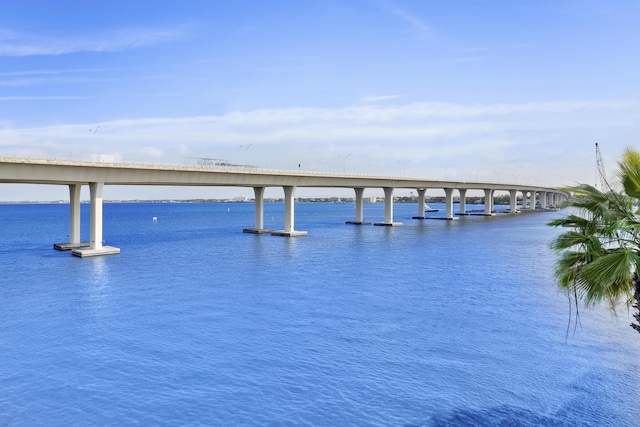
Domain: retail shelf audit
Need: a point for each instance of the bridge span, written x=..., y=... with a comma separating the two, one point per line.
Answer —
x=96, y=175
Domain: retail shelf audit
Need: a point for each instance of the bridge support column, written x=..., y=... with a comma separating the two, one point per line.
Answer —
x=95, y=246
x=74, y=221
x=463, y=201
x=422, y=195
x=258, y=217
x=543, y=199
x=388, y=209
x=525, y=199
x=532, y=199
x=359, y=208
x=289, y=216
x=488, y=202
x=448, y=193
x=513, y=201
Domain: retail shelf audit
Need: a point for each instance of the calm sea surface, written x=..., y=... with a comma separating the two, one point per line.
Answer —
x=436, y=323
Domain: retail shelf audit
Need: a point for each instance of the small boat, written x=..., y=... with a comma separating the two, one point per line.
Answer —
x=428, y=208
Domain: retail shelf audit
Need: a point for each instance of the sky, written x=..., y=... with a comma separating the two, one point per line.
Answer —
x=495, y=90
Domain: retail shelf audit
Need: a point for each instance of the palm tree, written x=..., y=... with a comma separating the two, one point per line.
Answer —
x=599, y=254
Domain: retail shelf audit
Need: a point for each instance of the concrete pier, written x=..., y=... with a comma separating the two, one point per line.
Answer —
x=448, y=203
x=463, y=201
x=74, y=221
x=513, y=201
x=258, y=217
x=448, y=193
x=388, y=209
x=95, y=244
x=289, y=215
x=359, y=208
x=488, y=202
x=70, y=246
x=543, y=199
x=422, y=195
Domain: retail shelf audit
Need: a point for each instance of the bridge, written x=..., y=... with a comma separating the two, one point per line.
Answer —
x=96, y=175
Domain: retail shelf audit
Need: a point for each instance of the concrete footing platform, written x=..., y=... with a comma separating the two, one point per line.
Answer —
x=477, y=214
x=358, y=222
x=388, y=224
x=70, y=246
x=258, y=230
x=284, y=233
x=88, y=252
x=443, y=218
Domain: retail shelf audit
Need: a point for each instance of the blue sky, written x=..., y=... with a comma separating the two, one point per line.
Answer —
x=515, y=91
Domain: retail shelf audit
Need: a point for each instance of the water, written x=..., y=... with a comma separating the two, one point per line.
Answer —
x=435, y=323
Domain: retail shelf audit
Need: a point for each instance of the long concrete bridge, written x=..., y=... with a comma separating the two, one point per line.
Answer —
x=96, y=175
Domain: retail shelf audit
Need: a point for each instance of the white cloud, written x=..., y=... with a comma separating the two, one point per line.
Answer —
x=415, y=23
x=151, y=152
x=50, y=72
x=380, y=98
x=460, y=59
x=23, y=44
x=517, y=140
x=39, y=98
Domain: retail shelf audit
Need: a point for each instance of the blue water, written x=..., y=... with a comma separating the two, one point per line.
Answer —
x=436, y=323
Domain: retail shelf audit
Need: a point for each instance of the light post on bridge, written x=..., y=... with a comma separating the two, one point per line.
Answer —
x=245, y=153
x=446, y=170
x=344, y=164
x=404, y=167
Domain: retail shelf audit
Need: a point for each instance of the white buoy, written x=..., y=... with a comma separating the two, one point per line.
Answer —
x=155, y=219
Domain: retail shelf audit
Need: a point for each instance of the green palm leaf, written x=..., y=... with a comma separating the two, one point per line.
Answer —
x=599, y=255
x=608, y=277
x=630, y=173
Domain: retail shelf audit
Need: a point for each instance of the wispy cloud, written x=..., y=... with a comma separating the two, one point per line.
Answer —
x=464, y=135
x=460, y=59
x=56, y=79
x=40, y=98
x=14, y=43
x=416, y=25
x=71, y=76
x=379, y=98
x=48, y=72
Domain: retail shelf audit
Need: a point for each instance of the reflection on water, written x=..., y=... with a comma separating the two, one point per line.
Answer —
x=98, y=289
x=99, y=271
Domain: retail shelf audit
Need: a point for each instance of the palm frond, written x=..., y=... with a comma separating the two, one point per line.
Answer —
x=568, y=265
x=590, y=199
x=608, y=277
x=629, y=173
x=572, y=239
x=599, y=256
x=574, y=221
